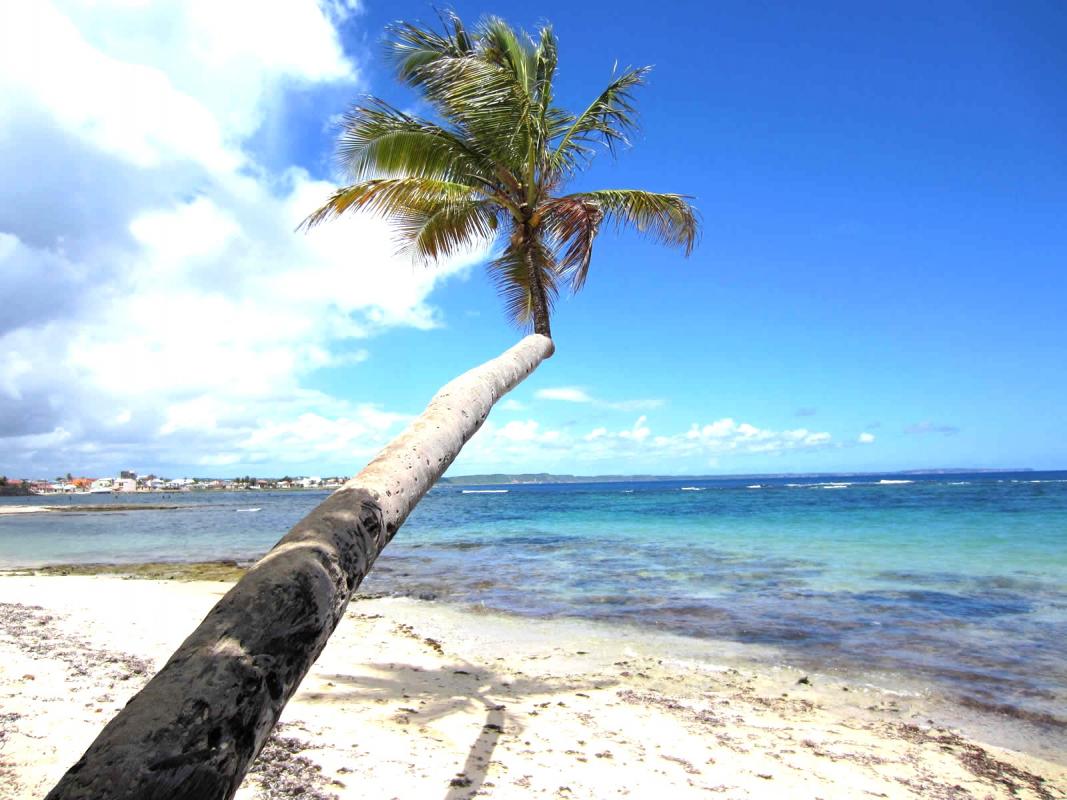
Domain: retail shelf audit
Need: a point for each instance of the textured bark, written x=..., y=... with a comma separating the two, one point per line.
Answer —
x=538, y=295
x=542, y=324
x=194, y=730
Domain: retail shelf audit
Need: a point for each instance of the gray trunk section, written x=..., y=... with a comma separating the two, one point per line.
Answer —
x=195, y=729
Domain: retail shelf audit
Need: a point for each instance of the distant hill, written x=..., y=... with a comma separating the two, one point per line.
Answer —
x=501, y=478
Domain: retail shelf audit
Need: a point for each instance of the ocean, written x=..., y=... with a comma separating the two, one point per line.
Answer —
x=950, y=583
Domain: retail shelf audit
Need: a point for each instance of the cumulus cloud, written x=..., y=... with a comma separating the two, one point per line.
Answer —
x=164, y=304
x=528, y=443
x=865, y=438
x=727, y=435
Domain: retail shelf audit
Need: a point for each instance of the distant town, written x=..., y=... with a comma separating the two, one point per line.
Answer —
x=129, y=482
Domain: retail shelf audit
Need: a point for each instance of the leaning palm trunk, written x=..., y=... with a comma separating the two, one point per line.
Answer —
x=194, y=730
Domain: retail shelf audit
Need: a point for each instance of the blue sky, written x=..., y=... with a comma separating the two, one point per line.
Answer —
x=879, y=283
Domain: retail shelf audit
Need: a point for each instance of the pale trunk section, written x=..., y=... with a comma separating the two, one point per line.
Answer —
x=194, y=730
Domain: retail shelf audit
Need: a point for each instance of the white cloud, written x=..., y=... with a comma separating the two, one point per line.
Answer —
x=638, y=433
x=576, y=394
x=528, y=443
x=516, y=431
x=568, y=394
x=727, y=435
x=165, y=305
x=865, y=438
x=186, y=79
x=511, y=404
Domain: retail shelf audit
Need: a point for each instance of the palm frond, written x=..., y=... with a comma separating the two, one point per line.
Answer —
x=378, y=140
x=451, y=69
x=413, y=48
x=482, y=82
x=500, y=44
x=448, y=229
x=391, y=198
x=610, y=118
x=546, y=119
x=484, y=103
x=546, y=59
x=572, y=223
x=667, y=218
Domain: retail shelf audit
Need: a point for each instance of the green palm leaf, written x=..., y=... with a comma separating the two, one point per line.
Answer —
x=610, y=118
x=391, y=197
x=378, y=141
x=447, y=230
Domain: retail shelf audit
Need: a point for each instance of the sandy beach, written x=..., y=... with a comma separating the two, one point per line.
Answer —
x=419, y=699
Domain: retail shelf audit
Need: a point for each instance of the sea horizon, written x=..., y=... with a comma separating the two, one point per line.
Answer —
x=551, y=477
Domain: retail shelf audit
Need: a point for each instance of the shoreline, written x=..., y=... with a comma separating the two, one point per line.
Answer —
x=548, y=704
x=1004, y=725
x=88, y=508
x=227, y=570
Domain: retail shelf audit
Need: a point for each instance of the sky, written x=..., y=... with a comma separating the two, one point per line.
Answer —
x=879, y=284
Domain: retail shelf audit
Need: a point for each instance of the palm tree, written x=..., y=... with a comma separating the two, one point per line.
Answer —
x=496, y=162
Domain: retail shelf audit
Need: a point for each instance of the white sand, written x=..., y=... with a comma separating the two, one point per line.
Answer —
x=414, y=699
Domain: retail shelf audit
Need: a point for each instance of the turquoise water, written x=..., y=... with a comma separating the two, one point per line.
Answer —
x=956, y=582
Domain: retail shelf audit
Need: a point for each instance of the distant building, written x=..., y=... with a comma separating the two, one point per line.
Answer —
x=127, y=474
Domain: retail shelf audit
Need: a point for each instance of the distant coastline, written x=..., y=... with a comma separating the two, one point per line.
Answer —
x=503, y=479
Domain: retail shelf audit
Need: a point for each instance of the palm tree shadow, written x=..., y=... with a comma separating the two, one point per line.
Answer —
x=446, y=690
x=470, y=779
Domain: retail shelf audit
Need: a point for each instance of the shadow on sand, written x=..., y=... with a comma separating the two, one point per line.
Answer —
x=450, y=689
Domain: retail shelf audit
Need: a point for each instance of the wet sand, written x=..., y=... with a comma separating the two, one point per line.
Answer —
x=418, y=699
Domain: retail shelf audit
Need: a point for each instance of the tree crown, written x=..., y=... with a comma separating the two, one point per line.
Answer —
x=493, y=162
